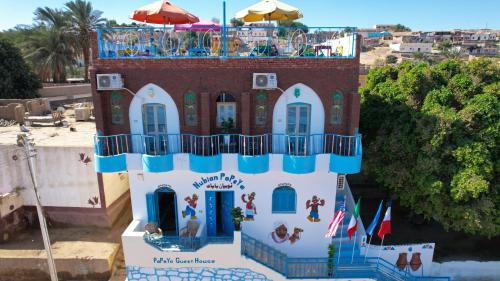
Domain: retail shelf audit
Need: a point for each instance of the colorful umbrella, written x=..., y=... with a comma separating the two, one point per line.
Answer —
x=201, y=26
x=269, y=10
x=163, y=12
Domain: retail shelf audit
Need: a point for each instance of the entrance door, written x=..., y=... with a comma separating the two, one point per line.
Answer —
x=167, y=211
x=155, y=127
x=298, y=127
x=219, y=220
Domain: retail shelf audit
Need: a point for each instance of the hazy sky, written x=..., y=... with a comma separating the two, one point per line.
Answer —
x=418, y=14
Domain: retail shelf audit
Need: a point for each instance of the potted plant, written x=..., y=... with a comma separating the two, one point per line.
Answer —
x=227, y=126
x=331, y=256
x=237, y=214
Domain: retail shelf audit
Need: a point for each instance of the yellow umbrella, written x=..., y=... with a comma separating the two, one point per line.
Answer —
x=269, y=10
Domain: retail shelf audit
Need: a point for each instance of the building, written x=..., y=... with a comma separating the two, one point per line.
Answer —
x=412, y=47
x=70, y=190
x=274, y=136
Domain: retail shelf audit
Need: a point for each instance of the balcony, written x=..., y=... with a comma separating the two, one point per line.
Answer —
x=208, y=154
x=229, y=42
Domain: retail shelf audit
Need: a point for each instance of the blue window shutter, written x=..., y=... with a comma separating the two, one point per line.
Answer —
x=284, y=200
x=151, y=207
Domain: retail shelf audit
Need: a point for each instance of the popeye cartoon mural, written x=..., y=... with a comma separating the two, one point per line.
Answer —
x=314, y=205
x=280, y=234
x=191, y=206
x=250, y=209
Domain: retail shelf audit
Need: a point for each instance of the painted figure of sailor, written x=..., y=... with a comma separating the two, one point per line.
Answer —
x=314, y=205
x=190, y=207
x=250, y=209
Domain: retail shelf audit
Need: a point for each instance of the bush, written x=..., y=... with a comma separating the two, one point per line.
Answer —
x=391, y=59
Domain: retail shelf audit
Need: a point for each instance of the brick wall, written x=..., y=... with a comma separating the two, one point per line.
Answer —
x=208, y=77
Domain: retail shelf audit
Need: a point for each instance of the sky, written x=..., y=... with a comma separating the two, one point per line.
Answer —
x=425, y=15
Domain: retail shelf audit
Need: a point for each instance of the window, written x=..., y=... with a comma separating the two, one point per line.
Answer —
x=116, y=108
x=226, y=109
x=261, y=109
x=284, y=200
x=190, y=109
x=337, y=109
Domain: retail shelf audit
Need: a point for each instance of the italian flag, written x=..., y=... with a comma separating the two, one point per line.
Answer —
x=353, y=223
x=385, y=227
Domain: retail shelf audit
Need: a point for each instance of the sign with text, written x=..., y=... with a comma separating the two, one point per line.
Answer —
x=220, y=181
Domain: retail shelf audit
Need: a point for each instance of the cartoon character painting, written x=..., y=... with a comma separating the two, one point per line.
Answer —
x=296, y=235
x=190, y=207
x=280, y=234
x=250, y=209
x=314, y=205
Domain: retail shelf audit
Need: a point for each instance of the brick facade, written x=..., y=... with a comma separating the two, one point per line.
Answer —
x=208, y=77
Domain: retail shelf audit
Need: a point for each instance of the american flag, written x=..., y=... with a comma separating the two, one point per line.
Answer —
x=337, y=220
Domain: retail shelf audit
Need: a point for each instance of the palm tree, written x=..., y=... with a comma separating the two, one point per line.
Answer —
x=51, y=53
x=51, y=47
x=85, y=20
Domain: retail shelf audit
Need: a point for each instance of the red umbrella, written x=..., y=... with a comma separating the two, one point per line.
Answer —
x=163, y=12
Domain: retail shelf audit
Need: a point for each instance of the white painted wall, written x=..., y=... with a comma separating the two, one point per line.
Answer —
x=467, y=270
x=152, y=93
x=412, y=47
x=391, y=253
x=307, y=95
x=63, y=180
x=312, y=242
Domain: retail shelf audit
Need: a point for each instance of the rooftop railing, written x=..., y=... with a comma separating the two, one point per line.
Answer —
x=234, y=42
x=246, y=145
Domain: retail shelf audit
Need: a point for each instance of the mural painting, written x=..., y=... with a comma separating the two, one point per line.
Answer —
x=280, y=234
x=250, y=209
x=314, y=204
x=191, y=206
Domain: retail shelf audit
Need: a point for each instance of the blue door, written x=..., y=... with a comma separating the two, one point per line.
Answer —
x=218, y=210
x=227, y=205
x=211, y=211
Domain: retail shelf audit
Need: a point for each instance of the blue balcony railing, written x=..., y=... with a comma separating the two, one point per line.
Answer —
x=237, y=42
x=163, y=144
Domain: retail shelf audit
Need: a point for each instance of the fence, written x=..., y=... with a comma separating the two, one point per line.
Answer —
x=238, y=42
x=162, y=144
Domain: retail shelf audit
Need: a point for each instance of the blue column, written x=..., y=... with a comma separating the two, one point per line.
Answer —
x=224, y=31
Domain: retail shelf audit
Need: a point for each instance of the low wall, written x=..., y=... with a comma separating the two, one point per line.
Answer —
x=468, y=270
x=395, y=254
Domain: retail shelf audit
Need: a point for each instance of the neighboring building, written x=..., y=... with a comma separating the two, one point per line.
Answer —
x=384, y=27
x=273, y=136
x=256, y=33
x=372, y=37
x=412, y=47
x=70, y=191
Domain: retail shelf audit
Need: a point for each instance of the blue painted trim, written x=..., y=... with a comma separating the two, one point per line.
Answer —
x=205, y=164
x=253, y=164
x=345, y=164
x=299, y=164
x=110, y=164
x=157, y=164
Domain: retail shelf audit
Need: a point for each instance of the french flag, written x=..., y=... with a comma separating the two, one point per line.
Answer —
x=385, y=227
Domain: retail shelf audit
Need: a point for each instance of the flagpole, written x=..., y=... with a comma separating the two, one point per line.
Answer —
x=342, y=229
x=368, y=247
x=380, y=249
x=354, y=245
x=340, y=244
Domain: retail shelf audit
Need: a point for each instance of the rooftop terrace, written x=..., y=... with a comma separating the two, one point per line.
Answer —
x=228, y=42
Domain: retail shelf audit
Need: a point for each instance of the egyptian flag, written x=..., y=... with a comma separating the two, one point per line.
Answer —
x=353, y=223
x=385, y=227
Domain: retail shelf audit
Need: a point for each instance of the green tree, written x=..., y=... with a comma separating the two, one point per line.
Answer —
x=400, y=28
x=84, y=20
x=391, y=59
x=432, y=137
x=17, y=81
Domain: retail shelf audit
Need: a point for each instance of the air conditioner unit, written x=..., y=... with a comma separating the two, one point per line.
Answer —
x=265, y=81
x=111, y=81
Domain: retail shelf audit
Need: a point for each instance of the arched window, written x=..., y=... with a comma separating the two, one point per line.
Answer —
x=116, y=108
x=284, y=200
x=261, y=109
x=226, y=111
x=190, y=109
x=337, y=109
